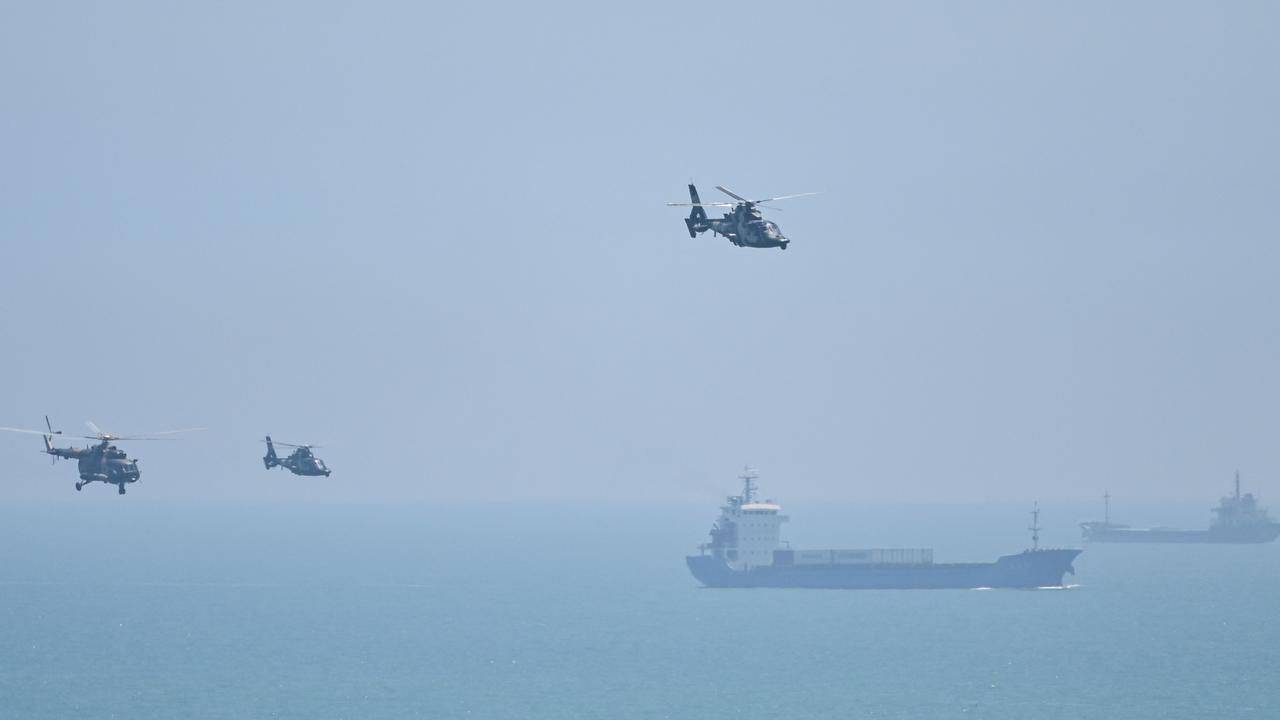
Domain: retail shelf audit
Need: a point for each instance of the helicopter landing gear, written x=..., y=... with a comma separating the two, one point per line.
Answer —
x=121, y=488
x=79, y=486
x=783, y=246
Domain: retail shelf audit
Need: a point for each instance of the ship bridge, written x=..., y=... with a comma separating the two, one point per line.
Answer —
x=747, y=531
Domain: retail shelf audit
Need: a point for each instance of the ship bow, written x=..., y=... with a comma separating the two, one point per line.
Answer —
x=1035, y=568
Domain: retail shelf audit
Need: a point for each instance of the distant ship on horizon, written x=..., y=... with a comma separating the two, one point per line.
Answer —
x=1237, y=520
x=746, y=551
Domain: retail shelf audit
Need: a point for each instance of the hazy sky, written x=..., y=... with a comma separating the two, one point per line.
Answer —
x=433, y=239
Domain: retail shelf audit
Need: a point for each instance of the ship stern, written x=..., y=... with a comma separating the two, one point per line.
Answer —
x=712, y=571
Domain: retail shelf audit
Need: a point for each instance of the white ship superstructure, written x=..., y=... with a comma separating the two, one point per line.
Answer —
x=747, y=531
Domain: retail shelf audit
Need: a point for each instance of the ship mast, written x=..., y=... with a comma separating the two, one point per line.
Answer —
x=748, y=478
x=1237, y=485
x=1106, y=506
x=1035, y=527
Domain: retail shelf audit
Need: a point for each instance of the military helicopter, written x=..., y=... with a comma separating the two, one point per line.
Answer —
x=301, y=462
x=103, y=462
x=744, y=226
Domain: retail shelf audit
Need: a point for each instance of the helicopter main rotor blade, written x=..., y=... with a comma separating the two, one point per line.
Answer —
x=732, y=194
x=30, y=432
x=150, y=436
x=700, y=204
x=172, y=432
x=785, y=197
x=113, y=438
x=292, y=445
x=101, y=435
x=738, y=197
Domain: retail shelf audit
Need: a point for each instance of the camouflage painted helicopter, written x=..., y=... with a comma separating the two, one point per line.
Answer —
x=744, y=226
x=301, y=462
x=103, y=462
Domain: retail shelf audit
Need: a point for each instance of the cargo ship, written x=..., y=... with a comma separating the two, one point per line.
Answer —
x=746, y=550
x=1237, y=520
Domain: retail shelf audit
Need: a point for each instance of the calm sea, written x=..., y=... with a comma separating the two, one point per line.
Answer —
x=124, y=608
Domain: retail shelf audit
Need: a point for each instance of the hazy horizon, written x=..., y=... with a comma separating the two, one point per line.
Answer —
x=433, y=241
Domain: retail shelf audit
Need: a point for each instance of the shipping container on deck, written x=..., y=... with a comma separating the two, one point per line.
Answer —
x=861, y=556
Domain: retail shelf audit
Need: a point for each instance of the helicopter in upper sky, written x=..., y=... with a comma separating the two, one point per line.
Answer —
x=301, y=462
x=103, y=462
x=744, y=226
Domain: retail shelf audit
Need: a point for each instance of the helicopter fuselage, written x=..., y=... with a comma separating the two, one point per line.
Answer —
x=745, y=227
x=103, y=463
x=304, y=464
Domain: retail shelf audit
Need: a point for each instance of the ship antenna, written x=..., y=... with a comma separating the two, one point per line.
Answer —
x=1106, y=506
x=748, y=477
x=1035, y=527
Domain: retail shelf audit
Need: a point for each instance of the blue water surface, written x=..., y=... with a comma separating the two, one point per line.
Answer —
x=125, y=608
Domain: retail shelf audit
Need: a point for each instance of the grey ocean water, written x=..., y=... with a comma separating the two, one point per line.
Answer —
x=137, y=609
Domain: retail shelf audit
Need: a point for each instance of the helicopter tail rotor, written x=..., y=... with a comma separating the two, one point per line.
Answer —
x=48, y=439
x=46, y=434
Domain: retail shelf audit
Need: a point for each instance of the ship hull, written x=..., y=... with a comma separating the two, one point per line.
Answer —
x=1243, y=536
x=1030, y=569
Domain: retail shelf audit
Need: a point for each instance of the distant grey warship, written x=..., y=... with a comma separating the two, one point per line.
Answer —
x=1237, y=520
x=746, y=551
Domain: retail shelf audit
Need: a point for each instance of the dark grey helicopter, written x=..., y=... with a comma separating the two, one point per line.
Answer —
x=103, y=462
x=301, y=462
x=744, y=225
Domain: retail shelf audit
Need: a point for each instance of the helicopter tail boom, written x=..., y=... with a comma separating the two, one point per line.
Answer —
x=270, y=460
